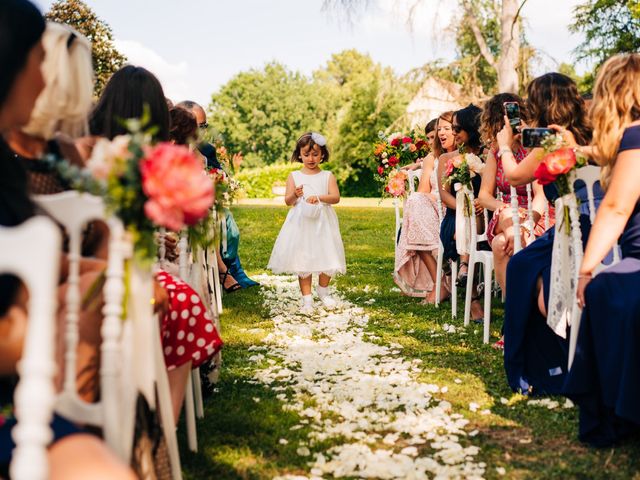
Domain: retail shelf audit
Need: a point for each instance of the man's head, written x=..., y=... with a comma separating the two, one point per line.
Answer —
x=197, y=111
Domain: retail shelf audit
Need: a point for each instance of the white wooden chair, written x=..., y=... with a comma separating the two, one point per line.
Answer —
x=440, y=261
x=122, y=341
x=414, y=177
x=194, y=377
x=590, y=175
x=31, y=251
x=483, y=257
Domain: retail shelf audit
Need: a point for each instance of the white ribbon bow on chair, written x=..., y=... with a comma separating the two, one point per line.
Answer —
x=463, y=222
x=566, y=258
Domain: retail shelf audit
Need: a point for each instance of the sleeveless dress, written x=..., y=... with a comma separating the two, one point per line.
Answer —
x=307, y=246
x=420, y=232
x=503, y=186
x=605, y=377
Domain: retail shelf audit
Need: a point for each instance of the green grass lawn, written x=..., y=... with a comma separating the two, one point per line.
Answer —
x=239, y=436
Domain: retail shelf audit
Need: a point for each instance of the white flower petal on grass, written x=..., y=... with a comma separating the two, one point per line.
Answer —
x=458, y=381
x=303, y=451
x=473, y=406
x=568, y=404
x=345, y=387
x=501, y=470
x=504, y=401
x=283, y=441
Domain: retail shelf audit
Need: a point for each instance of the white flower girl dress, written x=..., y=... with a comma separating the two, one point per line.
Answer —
x=309, y=242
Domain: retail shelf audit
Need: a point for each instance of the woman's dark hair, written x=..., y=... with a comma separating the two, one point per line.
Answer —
x=468, y=119
x=184, y=126
x=492, y=118
x=125, y=96
x=431, y=126
x=21, y=27
x=307, y=140
x=553, y=98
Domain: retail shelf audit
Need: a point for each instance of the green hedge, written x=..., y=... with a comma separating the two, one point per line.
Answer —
x=257, y=182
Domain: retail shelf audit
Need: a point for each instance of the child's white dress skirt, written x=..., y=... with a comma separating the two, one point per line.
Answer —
x=306, y=245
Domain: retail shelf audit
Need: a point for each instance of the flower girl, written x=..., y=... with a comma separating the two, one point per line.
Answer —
x=309, y=241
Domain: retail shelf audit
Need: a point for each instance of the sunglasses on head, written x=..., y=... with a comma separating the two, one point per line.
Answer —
x=203, y=125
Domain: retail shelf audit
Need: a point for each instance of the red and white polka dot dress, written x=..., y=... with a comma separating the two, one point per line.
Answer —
x=188, y=333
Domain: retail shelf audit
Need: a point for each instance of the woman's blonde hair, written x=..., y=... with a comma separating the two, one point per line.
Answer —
x=616, y=104
x=64, y=104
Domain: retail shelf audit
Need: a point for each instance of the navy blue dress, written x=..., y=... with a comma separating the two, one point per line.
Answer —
x=535, y=358
x=605, y=377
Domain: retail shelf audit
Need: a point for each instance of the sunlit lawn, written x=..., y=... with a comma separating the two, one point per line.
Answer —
x=239, y=436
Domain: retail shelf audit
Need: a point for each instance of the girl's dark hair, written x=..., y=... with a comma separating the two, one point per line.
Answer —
x=21, y=27
x=554, y=98
x=431, y=126
x=438, y=149
x=307, y=140
x=125, y=96
x=184, y=126
x=492, y=119
x=468, y=119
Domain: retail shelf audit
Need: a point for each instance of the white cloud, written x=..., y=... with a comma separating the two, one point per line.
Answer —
x=174, y=77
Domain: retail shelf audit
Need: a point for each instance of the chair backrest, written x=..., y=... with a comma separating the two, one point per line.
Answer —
x=31, y=251
x=414, y=177
x=475, y=236
x=73, y=210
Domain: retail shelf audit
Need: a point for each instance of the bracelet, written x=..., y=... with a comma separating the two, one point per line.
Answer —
x=504, y=150
x=585, y=275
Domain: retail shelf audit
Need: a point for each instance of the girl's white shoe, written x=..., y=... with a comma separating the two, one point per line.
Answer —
x=307, y=305
x=328, y=301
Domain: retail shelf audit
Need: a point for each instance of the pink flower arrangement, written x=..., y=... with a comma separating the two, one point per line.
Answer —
x=178, y=191
x=396, y=186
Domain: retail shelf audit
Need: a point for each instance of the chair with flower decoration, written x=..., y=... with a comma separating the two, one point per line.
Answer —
x=477, y=256
x=34, y=394
x=590, y=176
x=122, y=339
x=440, y=262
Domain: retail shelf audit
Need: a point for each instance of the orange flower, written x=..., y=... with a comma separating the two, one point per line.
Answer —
x=561, y=161
x=380, y=148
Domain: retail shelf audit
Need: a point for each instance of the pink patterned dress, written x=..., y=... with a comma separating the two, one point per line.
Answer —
x=420, y=232
x=502, y=186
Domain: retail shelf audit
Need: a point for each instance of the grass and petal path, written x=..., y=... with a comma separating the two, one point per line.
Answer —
x=263, y=424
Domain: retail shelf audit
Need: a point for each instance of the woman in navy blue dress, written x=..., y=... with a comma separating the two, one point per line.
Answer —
x=535, y=358
x=605, y=377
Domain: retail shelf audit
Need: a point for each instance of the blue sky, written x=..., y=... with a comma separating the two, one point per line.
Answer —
x=195, y=46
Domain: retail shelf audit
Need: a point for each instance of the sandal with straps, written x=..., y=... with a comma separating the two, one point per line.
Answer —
x=223, y=278
x=480, y=319
x=461, y=281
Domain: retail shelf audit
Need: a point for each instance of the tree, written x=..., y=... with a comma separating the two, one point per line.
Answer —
x=106, y=58
x=609, y=27
x=367, y=98
x=505, y=59
x=263, y=112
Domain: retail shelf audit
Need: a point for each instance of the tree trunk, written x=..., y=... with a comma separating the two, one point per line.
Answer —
x=509, y=47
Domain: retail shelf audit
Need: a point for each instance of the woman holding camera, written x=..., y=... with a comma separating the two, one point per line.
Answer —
x=535, y=358
x=500, y=232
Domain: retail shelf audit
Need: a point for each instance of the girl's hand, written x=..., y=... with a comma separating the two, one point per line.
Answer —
x=313, y=200
x=567, y=136
x=299, y=191
x=583, y=281
x=505, y=136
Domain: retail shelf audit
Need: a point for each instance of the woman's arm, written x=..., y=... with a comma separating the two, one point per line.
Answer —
x=292, y=193
x=539, y=201
x=516, y=173
x=486, y=195
x=445, y=195
x=425, y=179
x=333, y=196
